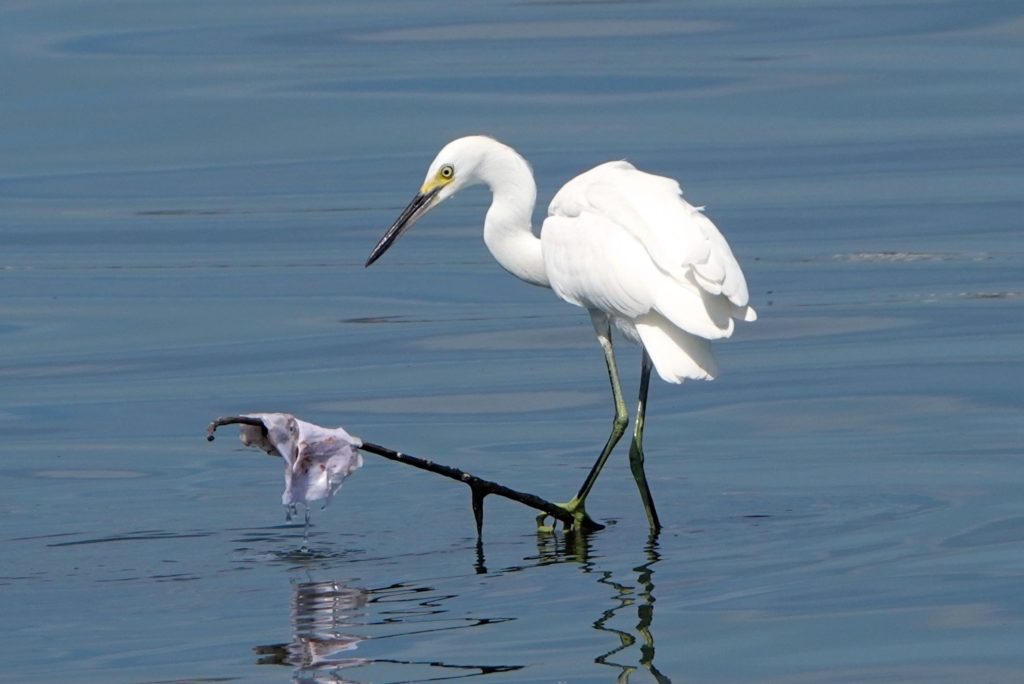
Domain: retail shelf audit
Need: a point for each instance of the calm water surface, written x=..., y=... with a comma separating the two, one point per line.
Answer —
x=189, y=190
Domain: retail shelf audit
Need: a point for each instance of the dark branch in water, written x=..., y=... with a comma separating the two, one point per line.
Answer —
x=482, y=488
x=479, y=487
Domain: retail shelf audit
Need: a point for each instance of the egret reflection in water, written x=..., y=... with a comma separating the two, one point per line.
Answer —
x=622, y=244
x=332, y=621
x=627, y=596
x=642, y=598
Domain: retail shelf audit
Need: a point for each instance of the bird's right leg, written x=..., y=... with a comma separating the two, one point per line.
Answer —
x=636, y=449
x=602, y=326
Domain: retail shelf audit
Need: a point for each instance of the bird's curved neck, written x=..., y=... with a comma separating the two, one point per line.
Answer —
x=508, y=231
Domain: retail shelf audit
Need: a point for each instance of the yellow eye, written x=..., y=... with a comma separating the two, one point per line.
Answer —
x=447, y=171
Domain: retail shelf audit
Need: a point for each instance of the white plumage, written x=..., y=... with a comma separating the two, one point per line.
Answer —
x=625, y=243
x=617, y=241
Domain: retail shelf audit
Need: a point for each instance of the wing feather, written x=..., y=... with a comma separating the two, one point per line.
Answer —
x=679, y=238
x=592, y=262
x=626, y=243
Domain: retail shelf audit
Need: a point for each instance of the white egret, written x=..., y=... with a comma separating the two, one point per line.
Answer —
x=622, y=244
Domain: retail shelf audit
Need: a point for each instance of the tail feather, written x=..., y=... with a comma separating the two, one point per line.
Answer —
x=677, y=355
x=694, y=310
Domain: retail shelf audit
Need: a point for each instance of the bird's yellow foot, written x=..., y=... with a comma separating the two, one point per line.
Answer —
x=575, y=508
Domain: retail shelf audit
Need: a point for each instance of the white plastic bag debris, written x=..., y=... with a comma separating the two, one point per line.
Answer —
x=317, y=459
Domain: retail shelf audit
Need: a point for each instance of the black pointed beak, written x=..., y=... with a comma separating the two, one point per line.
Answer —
x=420, y=205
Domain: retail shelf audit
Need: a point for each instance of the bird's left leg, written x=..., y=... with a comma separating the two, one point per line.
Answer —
x=636, y=451
x=602, y=326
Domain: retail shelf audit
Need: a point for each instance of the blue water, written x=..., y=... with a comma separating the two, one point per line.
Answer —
x=188, y=191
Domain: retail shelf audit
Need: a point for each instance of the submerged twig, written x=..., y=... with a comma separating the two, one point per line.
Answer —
x=479, y=487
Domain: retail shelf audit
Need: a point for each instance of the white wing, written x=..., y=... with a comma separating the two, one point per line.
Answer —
x=680, y=239
x=624, y=242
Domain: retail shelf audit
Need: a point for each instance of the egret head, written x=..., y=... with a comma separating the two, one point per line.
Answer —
x=455, y=167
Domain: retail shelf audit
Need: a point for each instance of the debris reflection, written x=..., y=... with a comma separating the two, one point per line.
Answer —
x=323, y=616
x=330, y=619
